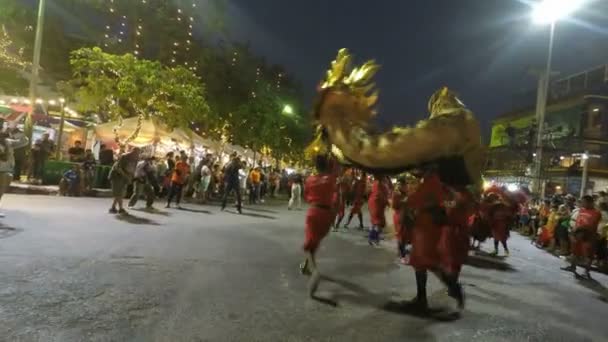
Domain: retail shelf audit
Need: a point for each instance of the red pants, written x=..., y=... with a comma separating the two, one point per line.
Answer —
x=500, y=230
x=318, y=222
x=376, y=213
x=425, y=247
x=453, y=248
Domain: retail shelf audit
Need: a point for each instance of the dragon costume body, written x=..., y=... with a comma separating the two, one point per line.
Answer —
x=450, y=138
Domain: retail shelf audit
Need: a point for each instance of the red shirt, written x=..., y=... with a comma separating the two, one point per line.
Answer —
x=320, y=189
x=379, y=192
x=359, y=189
x=588, y=219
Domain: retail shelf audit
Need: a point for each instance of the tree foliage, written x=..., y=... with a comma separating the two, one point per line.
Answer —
x=126, y=86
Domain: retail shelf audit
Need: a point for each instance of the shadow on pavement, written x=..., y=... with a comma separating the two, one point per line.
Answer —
x=361, y=296
x=153, y=211
x=200, y=211
x=132, y=219
x=6, y=232
x=252, y=215
x=594, y=286
x=261, y=210
x=486, y=261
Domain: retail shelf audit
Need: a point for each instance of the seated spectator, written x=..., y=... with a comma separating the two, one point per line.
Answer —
x=76, y=152
x=70, y=182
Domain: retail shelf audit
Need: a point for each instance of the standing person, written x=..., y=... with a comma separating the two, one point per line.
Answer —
x=255, y=178
x=602, y=243
x=19, y=151
x=166, y=177
x=106, y=156
x=427, y=201
x=179, y=177
x=120, y=176
x=76, y=152
x=296, y=193
x=340, y=200
x=359, y=188
x=400, y=213
x=319, y=191
x=377, y=203
x=584, y=235
x=277, y=183
x=47, y=147
x=144, y=182
x=205, y=181
x=7, y=160
x=501, y=215
x=231, y=182
x=88, y=169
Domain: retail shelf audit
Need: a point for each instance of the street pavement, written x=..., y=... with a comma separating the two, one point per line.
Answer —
x=69, y=271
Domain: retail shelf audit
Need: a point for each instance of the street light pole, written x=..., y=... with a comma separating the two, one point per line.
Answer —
x=60, y=134
x=542, y=107
x=29, y=124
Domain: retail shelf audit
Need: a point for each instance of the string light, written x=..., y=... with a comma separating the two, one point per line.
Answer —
x=7, y=58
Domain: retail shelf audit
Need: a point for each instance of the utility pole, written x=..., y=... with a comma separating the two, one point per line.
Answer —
x=33, y=93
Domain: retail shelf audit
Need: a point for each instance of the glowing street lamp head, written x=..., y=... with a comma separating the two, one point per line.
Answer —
x=550, y=11
x=288, y=110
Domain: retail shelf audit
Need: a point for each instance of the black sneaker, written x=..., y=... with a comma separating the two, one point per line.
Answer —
x=122, y=211
x=113, y=211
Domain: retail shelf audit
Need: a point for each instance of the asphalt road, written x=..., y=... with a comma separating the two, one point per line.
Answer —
x=71, y=272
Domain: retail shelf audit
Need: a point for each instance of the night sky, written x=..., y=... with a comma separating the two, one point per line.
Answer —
x=483, y=49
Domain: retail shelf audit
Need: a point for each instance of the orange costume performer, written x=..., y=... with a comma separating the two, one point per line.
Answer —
x=377, y=203
x=447, y=146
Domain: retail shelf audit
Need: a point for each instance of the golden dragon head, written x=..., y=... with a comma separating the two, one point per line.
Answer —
x=349, y=88
x=444, y=101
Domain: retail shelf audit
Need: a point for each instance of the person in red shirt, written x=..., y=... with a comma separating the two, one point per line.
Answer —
x=359, y=186
x=431, y=218
x=319, y=192
x=377, y=203
x=178, y=179
x=585, y=235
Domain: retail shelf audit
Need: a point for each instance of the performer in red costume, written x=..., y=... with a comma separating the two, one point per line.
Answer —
x=584, y=235
x=359, y=187
x=427, y=252
x=319, y=192
x=340, y=198
x=399, y=214
x=377, y=203
x=499, y=210
x=454, y=242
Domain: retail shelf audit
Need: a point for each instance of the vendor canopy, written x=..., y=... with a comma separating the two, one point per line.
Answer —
x=151, y=132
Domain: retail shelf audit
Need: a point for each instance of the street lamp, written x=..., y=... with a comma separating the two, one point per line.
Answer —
x=29, y=122
x=547, y=12
x=287, y=109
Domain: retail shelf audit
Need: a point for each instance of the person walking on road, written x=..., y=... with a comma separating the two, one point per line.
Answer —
x=144, y=183
x=121, y=174
x=231, y=182
x=7, y=160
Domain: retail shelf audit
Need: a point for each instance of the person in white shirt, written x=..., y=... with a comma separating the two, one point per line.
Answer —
x=296, y=193
x=205, y=181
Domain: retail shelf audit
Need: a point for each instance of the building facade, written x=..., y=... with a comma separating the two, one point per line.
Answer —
x=576, y=127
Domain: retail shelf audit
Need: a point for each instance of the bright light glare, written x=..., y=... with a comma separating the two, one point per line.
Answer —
x=550, y=11
x=512, y=187
x=288, y=110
